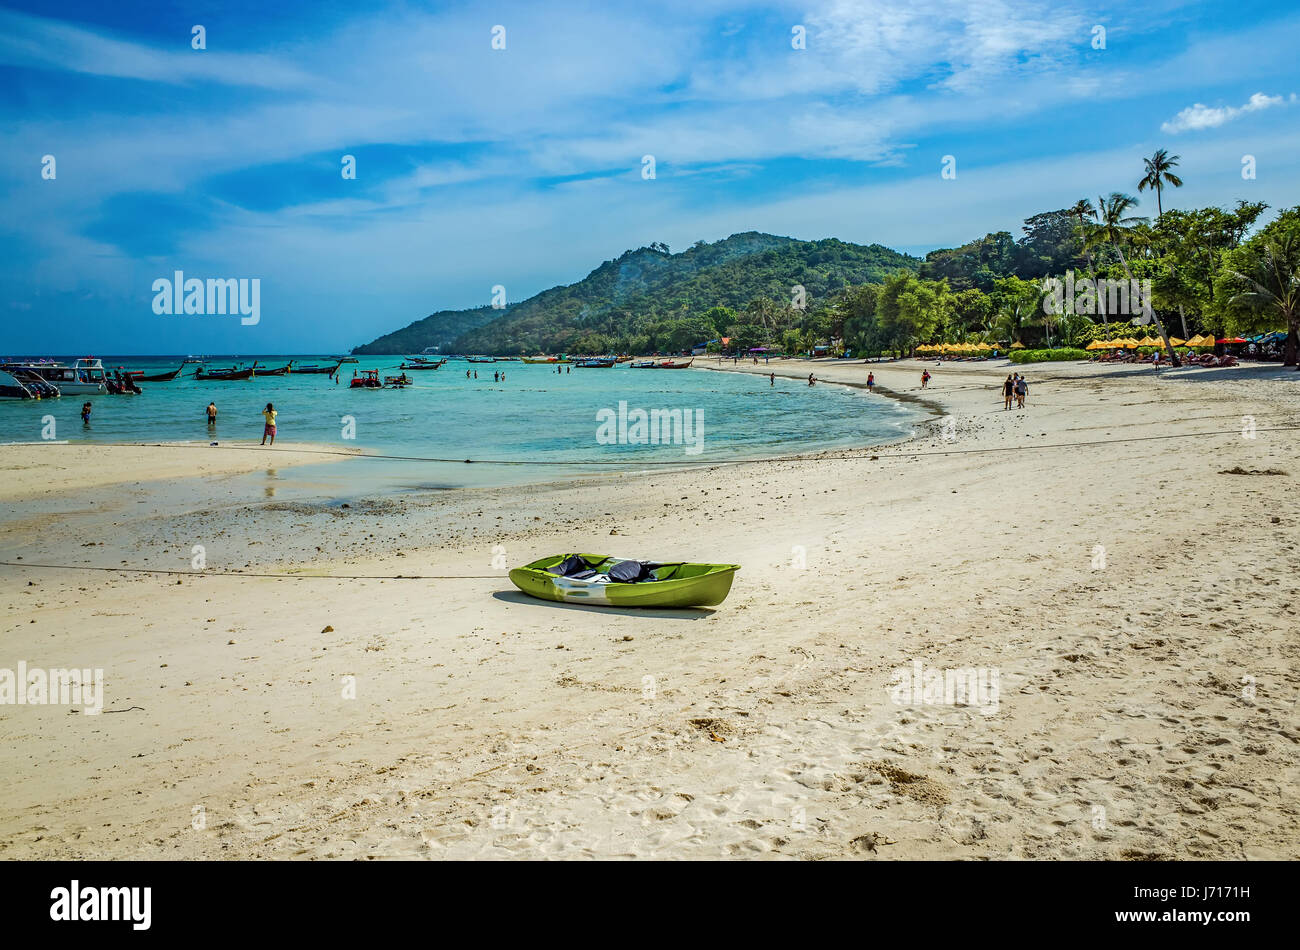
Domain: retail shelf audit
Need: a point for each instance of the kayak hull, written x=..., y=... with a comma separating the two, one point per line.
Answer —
x=683, y=585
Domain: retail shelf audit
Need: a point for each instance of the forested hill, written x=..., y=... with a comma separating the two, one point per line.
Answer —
x=649, y=299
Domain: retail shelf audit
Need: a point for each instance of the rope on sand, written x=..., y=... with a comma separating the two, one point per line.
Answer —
x=291, y=577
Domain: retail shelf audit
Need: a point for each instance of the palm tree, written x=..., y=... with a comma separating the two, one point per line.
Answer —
x=1114, y=224
x=1159, y=173
x=1275, y=285
x=1085, y=212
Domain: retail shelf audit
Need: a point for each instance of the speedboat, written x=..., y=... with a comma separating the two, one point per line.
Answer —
x=11, y=387
x=83, y=377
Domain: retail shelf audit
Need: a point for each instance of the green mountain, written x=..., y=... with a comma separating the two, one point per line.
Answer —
x=649, y=299
x=437, y=329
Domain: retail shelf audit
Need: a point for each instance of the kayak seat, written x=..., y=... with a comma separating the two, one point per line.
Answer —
x=572, y=566
x=629, y=572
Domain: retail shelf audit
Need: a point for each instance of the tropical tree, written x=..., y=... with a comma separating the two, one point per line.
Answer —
x=1087, y=215
x=1159, y=172
x=1113, y=224
x=1271, y=278
x=1017, y=303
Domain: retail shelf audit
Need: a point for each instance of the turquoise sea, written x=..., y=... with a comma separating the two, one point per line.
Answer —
x=549, y=421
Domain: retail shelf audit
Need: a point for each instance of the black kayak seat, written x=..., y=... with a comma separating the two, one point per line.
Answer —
x=629, y=572
x=622, y=572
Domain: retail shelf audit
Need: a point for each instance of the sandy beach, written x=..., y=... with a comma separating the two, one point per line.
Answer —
x=1120, y=559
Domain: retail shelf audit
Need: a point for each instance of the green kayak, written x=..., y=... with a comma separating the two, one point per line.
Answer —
x=619, y=582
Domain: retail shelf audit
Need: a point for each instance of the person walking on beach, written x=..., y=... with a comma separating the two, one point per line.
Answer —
x=925, y=378
x=1024, y=392
x=1020, y=392
x=1008, y=390
x=85, y=414
x=212, y=414
x=871, y=382
x=269, y=415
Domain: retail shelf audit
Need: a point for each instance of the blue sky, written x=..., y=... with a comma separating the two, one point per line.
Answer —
x=523, y=166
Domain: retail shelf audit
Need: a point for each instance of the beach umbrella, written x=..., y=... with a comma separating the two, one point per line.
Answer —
x=1147, y=341
x=1017, y=345
x=1096, y=345
x=1174, y=341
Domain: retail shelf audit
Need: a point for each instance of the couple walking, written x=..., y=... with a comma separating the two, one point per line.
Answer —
x=1015, y=388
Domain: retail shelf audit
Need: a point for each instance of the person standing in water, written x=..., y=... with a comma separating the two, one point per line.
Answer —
x=269, y=415
x=812, y=380
x=212, y=414
x=772, y=377
x=85, y=414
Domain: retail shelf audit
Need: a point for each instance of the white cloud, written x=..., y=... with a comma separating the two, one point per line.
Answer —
x=1200, y=116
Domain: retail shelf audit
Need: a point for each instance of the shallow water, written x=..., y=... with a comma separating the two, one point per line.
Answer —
x=550, y=421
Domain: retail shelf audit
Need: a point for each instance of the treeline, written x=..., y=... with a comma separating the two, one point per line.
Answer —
x=1208, y=270
x=651, y=300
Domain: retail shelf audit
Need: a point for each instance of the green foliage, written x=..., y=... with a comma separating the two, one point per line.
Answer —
x=1048, y=356
x=667, y=301
x=1206, y=276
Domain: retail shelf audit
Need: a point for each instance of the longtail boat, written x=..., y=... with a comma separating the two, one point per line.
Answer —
x=140, y=377
x=313, y=369
x=263, y=371
x=225, y=374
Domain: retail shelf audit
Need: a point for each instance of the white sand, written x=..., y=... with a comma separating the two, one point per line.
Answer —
x=489, y=725
x=32, y=469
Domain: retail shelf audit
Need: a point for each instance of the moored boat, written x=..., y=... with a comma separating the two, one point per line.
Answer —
x=312, y=369
x=616, y=582
x=85, y=377
x=140, y=376
x=673, y=364
x=20, y=384
x=480, y=359
x=541, y=359
x=415, y=362
x=594, y=364
x=642, y=364
x=224, y=374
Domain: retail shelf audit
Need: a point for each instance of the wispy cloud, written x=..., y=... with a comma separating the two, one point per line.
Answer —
x=1200, y=116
